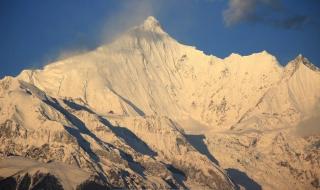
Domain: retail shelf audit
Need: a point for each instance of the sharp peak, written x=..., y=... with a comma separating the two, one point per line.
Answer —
x=149, y=28
x=151, y=20
x=302, y=60
x=151, y=24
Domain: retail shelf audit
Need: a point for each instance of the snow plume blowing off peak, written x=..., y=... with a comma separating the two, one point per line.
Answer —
x=128, y=15
x=151, y=23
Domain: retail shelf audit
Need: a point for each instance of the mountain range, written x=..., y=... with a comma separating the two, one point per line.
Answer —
x=146, y=111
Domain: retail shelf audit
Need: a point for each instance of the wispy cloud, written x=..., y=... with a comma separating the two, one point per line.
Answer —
x=291, y=22
x=125, y=16
x=271, y=12
x=66, y=53
x=240, y=10
x=129, y=14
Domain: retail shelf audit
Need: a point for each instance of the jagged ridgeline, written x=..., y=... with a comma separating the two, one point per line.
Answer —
x=146, y=111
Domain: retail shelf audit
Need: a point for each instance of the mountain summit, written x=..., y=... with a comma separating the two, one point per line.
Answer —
x=146, y=111
x=303, y=60
x=151, y=23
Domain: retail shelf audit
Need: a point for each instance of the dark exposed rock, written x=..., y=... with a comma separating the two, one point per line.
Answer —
x=38, y=152
x=9, y=183
x=48, y=182
x=316, y=183
x=93, y=183
x=24, y=182
x=88, y=185
x=10, y=129
x=40, y=181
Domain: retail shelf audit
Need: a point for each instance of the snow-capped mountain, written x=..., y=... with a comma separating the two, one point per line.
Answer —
x=146, y=111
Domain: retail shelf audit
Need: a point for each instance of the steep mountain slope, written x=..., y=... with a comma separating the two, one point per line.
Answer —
x=148, y=112
x=36, y=175
x=291, y=100
x=37, y=126
x=265, y=143
x=147, y=72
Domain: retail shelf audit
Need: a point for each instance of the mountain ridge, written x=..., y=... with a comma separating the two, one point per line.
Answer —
x=144, y=56
x=138, y=113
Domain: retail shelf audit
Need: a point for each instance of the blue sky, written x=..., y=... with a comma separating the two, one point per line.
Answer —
x=36, y=32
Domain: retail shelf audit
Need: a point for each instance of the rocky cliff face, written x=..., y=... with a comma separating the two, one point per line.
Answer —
x=143, y=152
x=148, y=112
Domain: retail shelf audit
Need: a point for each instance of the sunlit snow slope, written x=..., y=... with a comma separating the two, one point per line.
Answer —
x=146, y=101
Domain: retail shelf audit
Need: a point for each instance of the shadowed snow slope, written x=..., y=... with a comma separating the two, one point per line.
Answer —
x=148, y=112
